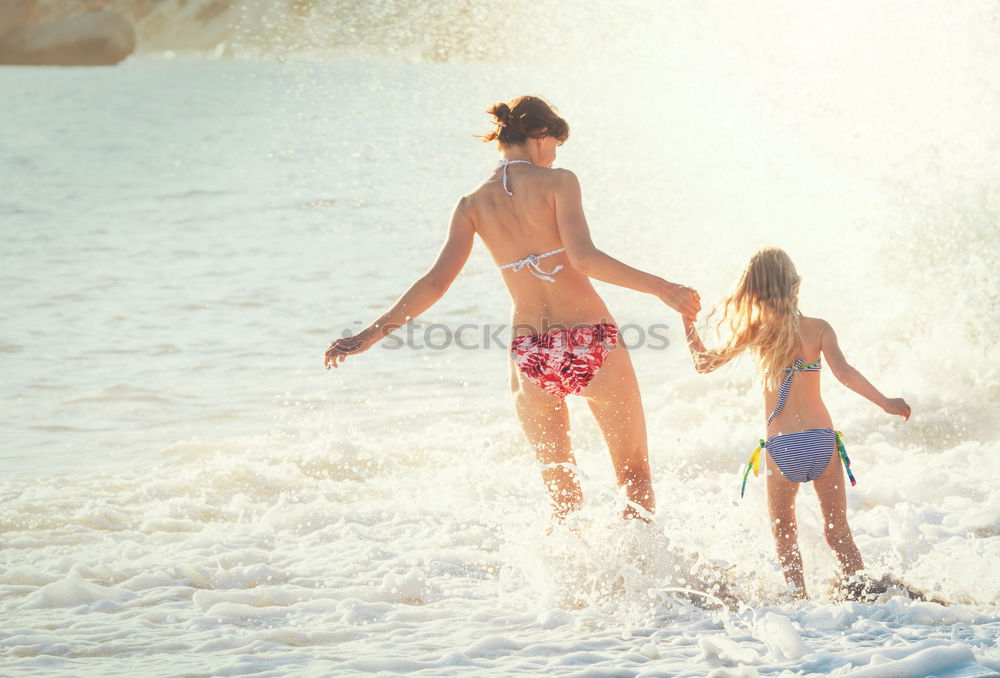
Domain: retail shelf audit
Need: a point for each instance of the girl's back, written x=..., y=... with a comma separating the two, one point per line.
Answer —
x=803, y=408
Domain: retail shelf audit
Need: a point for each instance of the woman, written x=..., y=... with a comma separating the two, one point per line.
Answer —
x=530, y=217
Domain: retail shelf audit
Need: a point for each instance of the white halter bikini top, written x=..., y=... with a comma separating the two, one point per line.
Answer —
x=531, y=261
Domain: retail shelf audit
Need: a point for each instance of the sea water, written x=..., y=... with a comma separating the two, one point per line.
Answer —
x=185, y=490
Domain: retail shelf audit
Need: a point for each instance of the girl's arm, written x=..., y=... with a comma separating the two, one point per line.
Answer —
x=592, y=262
x=422, y=294
x=705, y=361
x=854, y=380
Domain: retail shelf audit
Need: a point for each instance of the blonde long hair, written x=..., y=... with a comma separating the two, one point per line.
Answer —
x=762, y=315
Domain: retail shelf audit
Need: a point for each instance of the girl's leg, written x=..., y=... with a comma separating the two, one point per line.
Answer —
x=613, y=396
x=781, y=494
x=833, y=505
x=545, y=421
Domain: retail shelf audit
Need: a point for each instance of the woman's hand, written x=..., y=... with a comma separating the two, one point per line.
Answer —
x=897, y=406
x=682, y=299
x=341, y=348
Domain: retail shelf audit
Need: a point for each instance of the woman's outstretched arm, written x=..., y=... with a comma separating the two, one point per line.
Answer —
x=422, y=294
x=852, y=378
x=589, y=260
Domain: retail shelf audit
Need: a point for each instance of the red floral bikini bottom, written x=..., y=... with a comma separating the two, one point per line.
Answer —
x=563, y=361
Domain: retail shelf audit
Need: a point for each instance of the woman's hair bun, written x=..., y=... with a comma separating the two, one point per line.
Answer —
x=525, y=117
x=501, y=112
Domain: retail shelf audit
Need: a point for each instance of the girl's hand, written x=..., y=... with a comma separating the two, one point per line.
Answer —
x=897, y=406
x=341, y=348
x=682, y=299
x=705, y=361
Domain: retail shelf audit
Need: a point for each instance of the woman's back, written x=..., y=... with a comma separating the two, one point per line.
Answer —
x=524, y=222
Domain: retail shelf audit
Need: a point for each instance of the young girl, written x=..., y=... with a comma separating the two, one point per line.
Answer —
x=802, y=445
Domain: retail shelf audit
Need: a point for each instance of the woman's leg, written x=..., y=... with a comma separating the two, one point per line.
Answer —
x=830, y=490
x=545, y=421
x=781, y=494
x=613, y=396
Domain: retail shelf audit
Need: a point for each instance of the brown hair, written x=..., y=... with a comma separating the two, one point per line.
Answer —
x=525, y=117
x=762, y=314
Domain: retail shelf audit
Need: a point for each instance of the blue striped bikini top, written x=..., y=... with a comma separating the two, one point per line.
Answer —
x=786, y=383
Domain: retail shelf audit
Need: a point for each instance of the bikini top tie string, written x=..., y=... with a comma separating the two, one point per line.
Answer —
x=531, y=263
x=786, y=383
x=505, y=164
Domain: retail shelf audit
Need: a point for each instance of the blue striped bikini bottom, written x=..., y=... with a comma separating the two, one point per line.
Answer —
x=804, y=455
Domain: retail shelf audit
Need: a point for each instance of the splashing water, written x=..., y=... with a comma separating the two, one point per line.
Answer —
x=186, y=491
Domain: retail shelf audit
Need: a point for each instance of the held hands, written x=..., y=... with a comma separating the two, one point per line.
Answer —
x=682, y=299
x=341, y=348
x=897, y=406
